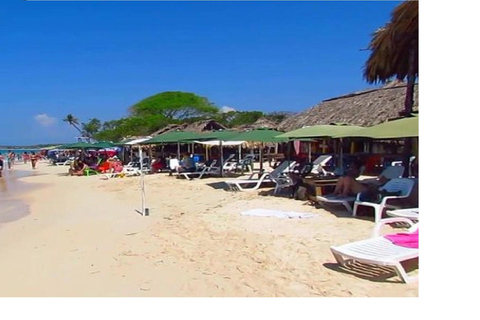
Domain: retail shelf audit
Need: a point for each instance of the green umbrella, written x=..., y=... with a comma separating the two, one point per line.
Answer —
x=319, y=131
x=400, y=128
x=226, y=135
x=258, y=135
x=104, y=145
x=78, y=145
x=172, y=137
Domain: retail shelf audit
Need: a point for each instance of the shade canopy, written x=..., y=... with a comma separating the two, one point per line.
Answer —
x=259, y=135
x=224, y=135
x=78, y=145
x=319, y=131
x=400, y=128
x=137, y=141
x=217, y=142
x=104, y=145
x=172, y=137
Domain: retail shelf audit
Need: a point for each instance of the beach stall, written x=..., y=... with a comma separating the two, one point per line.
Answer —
x=398, y=128
x=321, y=132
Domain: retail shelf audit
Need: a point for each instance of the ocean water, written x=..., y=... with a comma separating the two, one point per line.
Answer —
x=12, y=207
x=5, y=151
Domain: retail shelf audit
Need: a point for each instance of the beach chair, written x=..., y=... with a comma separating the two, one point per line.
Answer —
x=320, y=163
x=379, y=250
x=67, y=162
x=242, y=164
x=388, y=173
x=201, y=171
x=402, y=186
x=410, y=213
x=338, y=200
x=252, y=184
x=126, y=172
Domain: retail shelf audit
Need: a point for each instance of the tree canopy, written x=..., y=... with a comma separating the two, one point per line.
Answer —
x=162, y=109
x=174, y=105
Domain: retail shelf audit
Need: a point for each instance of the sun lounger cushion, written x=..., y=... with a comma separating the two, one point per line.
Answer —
x=407, y=240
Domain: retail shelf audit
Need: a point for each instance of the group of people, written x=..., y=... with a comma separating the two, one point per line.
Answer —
x=11, y=157
x=79, y=166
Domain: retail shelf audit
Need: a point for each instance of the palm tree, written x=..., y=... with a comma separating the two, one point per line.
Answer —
x=73, y=121
x=394, y=53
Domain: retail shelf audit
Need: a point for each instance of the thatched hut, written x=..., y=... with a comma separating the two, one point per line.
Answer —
x=363, y=108
x=261, y=123
x=169, y=128
x=204, y=125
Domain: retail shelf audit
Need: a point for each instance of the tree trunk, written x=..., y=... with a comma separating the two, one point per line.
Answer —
x=407, y=112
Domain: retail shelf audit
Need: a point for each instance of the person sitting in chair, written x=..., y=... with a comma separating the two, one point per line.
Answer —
x=187, y=164
x=348, y=184
x=78, y=168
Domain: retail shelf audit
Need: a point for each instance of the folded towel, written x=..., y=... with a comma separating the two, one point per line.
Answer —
x=276, y=213
x=407, y=240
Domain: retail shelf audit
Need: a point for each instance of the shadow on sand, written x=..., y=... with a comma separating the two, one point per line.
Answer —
x=371, y=272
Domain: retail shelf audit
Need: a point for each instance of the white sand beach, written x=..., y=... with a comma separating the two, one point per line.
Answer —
x=84, y=238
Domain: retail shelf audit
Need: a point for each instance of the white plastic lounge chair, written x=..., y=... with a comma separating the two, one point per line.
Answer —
x=282, y=181
x=201, y=171
x=243, y=164
x=411, y=213
x=253, y=184
x=379, y=251
x=126, y=172
x=320, y=163
x=66, y=162
x=402, y=185
x=388, y=173
x=333, y=199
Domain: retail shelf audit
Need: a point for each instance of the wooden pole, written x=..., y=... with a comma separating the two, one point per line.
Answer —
x=221, y=157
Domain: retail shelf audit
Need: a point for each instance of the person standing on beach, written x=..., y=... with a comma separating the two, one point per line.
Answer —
x=25, y=157
x=10, y=159
x=34, y=159
x=1, y=165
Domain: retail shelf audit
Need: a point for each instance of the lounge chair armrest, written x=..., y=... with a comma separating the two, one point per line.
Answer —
x=385, y=199
x=383, y=222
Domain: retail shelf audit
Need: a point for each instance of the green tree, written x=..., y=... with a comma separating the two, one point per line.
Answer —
x=92, y=127
x=174, y=105
x=132, y=126
x=73, y=121
x=244, y=117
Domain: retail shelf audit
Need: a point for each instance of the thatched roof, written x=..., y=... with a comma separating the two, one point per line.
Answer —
x=261, y=123
x=170, y=127
x=364, y=108
x=204, y=125
x=199, y=126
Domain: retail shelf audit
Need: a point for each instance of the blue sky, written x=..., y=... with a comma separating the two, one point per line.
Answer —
x=95, y=59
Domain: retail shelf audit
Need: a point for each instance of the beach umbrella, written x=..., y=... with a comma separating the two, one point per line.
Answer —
x=221, y=137
x=319, y=131
x=104, y=145
x=78, y=145
x=172, y=137
x=322, y=131
x=262, y=135
x=395, y=129
x=259, y=135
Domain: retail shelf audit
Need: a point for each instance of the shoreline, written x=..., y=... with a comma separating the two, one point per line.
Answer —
x=13, y=193
x=84, y=237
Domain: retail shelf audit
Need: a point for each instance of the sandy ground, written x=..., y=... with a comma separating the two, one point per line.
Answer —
x=83, y=237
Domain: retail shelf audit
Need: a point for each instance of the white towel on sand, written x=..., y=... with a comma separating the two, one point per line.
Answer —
x=276, y=213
